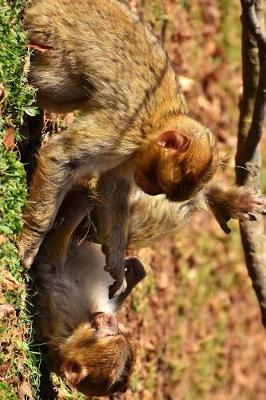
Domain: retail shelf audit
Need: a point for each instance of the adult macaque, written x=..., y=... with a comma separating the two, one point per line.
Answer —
x=97, y=57
x=75, y=318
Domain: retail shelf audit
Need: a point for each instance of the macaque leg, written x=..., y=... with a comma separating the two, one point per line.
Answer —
x=74, y=209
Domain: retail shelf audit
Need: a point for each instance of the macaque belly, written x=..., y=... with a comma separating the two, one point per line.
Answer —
x=85, y=269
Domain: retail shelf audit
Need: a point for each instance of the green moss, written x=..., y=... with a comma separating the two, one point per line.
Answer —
x=263, y=180
x=203, y=296
x=6, y=392
x=17, y=98
x=141, y=292
x=65, y=392
x=230, y=34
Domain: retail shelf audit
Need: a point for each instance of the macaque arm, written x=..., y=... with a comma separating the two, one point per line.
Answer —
x=73, y=210
x=113, y=220
x=61, y=161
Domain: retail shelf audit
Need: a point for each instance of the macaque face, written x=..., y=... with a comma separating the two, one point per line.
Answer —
x=100, y=359
x=179, y=163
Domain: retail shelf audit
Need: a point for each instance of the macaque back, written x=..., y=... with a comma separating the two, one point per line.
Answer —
x=99, y=54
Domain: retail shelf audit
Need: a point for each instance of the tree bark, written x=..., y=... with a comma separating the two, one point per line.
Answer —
x=250, y=130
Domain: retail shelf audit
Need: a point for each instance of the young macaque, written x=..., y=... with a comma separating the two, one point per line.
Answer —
x=76, y=321
x=96, y=56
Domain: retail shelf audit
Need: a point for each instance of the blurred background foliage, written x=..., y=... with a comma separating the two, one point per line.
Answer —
x=195, y=317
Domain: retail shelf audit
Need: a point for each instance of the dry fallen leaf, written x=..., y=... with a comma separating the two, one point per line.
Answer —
x=25, y=391
x=5, y=309
x=9, y=139
x=3, y=239
x=3, y=369
x=26, y=67
x=9, y=283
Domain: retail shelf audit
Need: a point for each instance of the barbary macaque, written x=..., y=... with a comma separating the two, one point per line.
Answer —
x=75, y=317
x=96, y=56
x=76, y=321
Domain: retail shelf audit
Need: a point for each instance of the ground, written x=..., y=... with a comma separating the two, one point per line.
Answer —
x=195, y=317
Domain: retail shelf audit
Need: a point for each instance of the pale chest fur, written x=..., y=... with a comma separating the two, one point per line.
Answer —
x=84, y=269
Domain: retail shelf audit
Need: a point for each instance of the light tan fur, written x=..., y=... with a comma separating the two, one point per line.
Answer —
x=98, y=57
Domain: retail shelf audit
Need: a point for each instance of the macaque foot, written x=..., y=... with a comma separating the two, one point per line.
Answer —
x=238, y=203
x=135, y=271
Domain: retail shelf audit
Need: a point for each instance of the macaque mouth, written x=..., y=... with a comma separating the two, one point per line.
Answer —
x=146, y=182
x=105, y=324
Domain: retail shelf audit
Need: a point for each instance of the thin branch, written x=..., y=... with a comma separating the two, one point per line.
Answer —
x=256, y=128
x=251, y=126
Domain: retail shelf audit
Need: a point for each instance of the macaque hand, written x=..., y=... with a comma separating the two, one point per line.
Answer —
x=116, y=268
x=238, y=203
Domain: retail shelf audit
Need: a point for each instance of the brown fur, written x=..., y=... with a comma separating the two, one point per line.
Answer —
x=85, y=347
x=80, y=331
x=102, y=60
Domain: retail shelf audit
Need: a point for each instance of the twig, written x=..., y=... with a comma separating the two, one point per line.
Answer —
x=251, y=125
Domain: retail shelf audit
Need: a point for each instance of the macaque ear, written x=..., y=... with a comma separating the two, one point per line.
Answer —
x=74, y=373
x=174, y=141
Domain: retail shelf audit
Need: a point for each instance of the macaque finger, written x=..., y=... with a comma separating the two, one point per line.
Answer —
x=115, y=265
x=225, y=228
x=252, y=217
